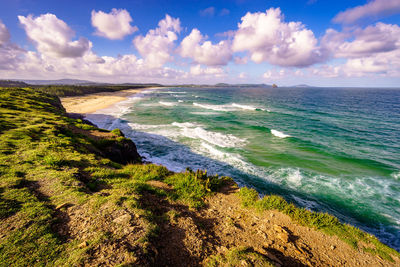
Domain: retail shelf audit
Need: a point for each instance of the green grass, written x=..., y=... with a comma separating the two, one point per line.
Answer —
x=45, y=162
x=243, y=256
x=192, y=187
x=317, y=220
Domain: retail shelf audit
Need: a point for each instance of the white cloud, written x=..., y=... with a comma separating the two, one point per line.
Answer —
x=371, y=50
x=4, y=34
x=204, y=52
x=373, y=9
x=214, y=71
x=156, y=46
x=269, y=39
x=114, y=25
x=242, y=75
x=53, y=37
x=208, y=12
x=373, y=39
x=10, y=53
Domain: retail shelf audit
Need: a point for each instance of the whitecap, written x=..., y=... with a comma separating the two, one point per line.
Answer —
x=279, y=134
x=214, y=107
x=168, y=104
x=245, y=107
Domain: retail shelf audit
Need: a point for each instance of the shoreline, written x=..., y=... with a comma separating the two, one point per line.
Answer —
x=91, y=103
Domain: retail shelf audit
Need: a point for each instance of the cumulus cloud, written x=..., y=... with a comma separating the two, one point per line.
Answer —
x=114, y=25
x=269, y=39
x=53, y=36
x=204, y=52
x=373, y=9
x=157, y=45
x=208, y=12
x=373, y=39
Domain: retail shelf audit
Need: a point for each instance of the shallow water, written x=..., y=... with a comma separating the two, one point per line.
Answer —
x=326, y=149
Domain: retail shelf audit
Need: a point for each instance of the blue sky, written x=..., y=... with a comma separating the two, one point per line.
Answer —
x=323, y=43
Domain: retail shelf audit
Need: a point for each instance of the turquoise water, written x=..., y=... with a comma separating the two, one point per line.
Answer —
x=326, y=149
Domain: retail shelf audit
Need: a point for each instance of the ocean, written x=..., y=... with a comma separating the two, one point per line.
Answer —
x=335, y=150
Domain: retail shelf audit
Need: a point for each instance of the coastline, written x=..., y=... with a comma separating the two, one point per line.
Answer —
x=151, y=216
x=90, y=103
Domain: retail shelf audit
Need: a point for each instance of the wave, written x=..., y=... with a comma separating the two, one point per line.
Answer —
x=168, y=104
x=170, y=92
x=279, y=134
x=184, y=124
x=229, y=107
x=219, y=139
x=180, y=101
x=214, y=107
x=204, y=113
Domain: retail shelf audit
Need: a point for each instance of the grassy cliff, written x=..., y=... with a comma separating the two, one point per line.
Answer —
x=73, y=195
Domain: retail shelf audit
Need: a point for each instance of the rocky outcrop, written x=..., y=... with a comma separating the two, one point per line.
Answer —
x=122, y=150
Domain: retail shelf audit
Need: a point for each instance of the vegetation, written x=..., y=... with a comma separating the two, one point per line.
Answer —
x=75, y=90
x=321, y=221
x=48, y=161
x=243, y=256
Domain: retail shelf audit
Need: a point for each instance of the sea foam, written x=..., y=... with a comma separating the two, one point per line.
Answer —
x=279, y=134
x=168, y=104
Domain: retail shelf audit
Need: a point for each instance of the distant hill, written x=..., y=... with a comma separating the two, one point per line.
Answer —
x=9, y=83
x=59, y=82
x=302, y=86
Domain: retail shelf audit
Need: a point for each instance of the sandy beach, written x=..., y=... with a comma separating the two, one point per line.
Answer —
x=93, y=102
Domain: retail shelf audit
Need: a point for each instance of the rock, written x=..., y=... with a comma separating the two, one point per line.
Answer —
x=282, y=233
x=271, y=215
x=122, y=151
x=333, y=247
x=124, y=219
x=83, y=244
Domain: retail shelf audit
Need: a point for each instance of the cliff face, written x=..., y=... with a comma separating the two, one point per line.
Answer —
x=75, y=195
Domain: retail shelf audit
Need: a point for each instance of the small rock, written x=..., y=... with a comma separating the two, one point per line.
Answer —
x=271, y=215
x=83, y=244
x=283, y=236
x=333, y=247
x=124, y=219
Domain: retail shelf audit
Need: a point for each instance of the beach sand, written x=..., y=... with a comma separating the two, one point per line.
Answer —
x=93, y=102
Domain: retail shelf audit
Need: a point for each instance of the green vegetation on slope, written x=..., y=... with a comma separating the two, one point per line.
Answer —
x=321, y=221
x=75, y=90
x=48, y=162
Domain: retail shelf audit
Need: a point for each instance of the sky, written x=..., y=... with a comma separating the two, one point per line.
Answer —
x=314, y=42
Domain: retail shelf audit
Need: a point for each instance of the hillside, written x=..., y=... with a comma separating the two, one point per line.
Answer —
x=75, y=195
